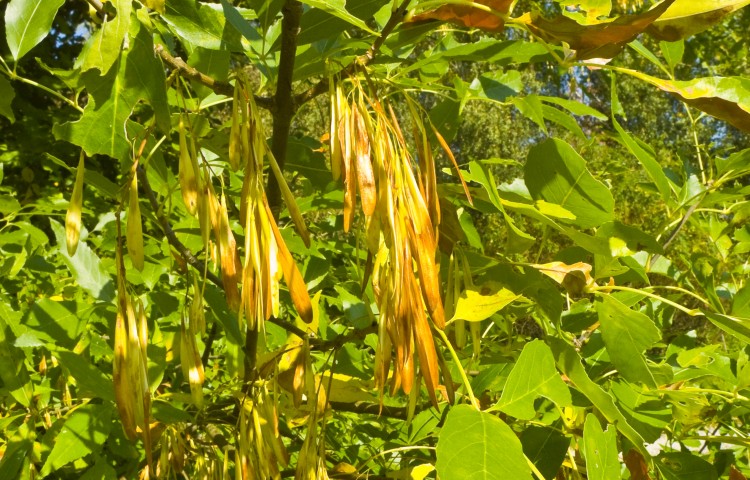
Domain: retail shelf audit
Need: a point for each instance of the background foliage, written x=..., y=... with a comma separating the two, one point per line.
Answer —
x=582, y=163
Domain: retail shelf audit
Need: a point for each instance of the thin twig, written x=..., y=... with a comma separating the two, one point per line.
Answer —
x=219, y=87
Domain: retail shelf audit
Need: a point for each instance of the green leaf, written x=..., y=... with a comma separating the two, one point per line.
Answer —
x=85, y=266
x=7, y=94
x=736, y=326
x=741, y=302
x=84, y=432
x=201, y=25
x=317, y=24
x=569, y=363
x=533, y=376
x=627, y=333
x=338, y=9
x=474, y=445
x=104, y=127
x=546, y=447
x=214, y=63
x=625, y=240
x=576, y=108
x=59, y=323
x=235, y=18
x=91, y=382
x=600, y=450
x=735, y=165
x=13, y=371
x=499, y=85
x=480, y=302
x=27, y=22
x=103, y=47
x=531, y=107
x=554, y=172
x=687, y=17
x=684, y=466
x=646, y=158
x=672, y=52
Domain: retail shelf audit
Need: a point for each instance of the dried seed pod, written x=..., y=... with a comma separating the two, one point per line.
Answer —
x=135, y=227
x=365, y=176
x=73, y=217
x=294, y=280
x=230, y=261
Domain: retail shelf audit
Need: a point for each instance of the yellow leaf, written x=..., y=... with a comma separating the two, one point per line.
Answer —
x=480, y=302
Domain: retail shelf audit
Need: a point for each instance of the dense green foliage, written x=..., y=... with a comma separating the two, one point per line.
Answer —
x=375, y=239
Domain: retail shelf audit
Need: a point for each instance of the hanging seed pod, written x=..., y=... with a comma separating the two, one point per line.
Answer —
x=135, y=227
x=294, y=280
x=336, y=100
x=365, y=176
x=235, y=135
x=123, y=388
x=196, y=313
x=73, y=217
x=230, y=261
x=187, y=173
x=192, y=365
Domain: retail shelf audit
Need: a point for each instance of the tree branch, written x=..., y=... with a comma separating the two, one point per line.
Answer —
x=321, y=87
x=219, y=87
x=282, y=118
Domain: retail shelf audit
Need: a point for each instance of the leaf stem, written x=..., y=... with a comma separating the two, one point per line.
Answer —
x=461, y=370
x=13, y=76
x=606, y=288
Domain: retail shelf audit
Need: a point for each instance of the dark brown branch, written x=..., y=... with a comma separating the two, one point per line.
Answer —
x=221, y=88
x=284, y=100
x=322, y=86
x=184, y=252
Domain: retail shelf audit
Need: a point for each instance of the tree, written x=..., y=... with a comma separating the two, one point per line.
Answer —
x=374, y=238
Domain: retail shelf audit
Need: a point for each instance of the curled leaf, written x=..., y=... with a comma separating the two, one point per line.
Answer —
x=469, y=16
x=688, y=17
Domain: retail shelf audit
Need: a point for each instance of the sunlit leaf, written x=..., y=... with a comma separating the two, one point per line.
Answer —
x=600, y=450
x=83, y=432
x=474, y=445
x=688, y=17
x=726, y=98
x=627, y=334
x=569, y=363
x=27, y=22
x=556, y=173
x=86, y=267
x=533, y=376
x=103, y=47
x=103, y=128
x=482, y=301
x=338, y=9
